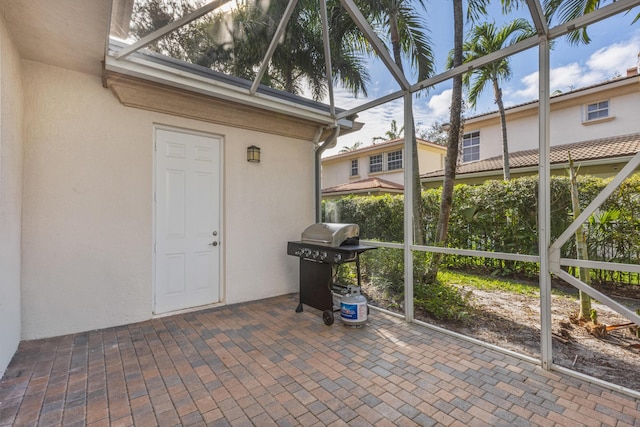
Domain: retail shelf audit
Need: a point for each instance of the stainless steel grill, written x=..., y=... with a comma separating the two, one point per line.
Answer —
x=321, y=249
x=331, y=234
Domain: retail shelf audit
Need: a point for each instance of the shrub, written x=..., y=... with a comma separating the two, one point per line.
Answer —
x=501, y=216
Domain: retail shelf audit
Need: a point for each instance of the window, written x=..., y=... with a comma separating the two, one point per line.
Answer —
x=598, y=110
x=375, y=163
x=394, y=160
x=354, y=167
x=471, y=147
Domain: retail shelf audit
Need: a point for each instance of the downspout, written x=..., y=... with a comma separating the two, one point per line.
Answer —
x=330, y=142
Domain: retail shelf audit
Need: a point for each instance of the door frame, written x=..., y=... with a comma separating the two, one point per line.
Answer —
x=154, y=211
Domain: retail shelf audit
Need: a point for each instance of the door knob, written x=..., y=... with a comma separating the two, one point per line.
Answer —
x=214, y=243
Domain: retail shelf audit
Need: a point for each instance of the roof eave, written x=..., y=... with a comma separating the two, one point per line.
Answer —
x=531, y=105
x=167, y=75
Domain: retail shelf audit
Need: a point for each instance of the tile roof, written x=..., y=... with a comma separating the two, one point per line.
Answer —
x=364, y=185
x=595, y=149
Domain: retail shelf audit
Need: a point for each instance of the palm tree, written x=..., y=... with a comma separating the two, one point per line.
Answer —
x=148, y=16
x=484, y=39
x=239, y=41
x=354, y=147
x=391, y=134
x=406, y=32
x=235, y=42
x=475, y=9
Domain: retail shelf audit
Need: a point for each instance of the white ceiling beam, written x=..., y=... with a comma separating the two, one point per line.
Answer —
x=372, y=104
x=593, y=17
x=477, y=63
x=538, y=17
x=376, y=43
x=274, y=44
x=327, y=54
x=558, y=31
x=161, y=32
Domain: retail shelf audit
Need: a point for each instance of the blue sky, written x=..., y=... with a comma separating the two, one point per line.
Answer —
x=614, y=47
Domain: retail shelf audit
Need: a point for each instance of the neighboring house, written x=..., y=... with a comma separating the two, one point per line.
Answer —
x=592, y=115
x=101, y=165
x=376, y=169
x=602, y=157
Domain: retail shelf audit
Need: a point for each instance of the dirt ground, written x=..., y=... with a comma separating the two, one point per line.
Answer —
x=512, y=321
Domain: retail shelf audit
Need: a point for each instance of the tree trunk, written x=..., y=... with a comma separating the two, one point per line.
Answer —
x=395, y=40
x=455, y=120
x=418, y=221
x=581, y=245
x=503, y=124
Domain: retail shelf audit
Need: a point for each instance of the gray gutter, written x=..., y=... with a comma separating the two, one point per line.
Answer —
x=330, y=142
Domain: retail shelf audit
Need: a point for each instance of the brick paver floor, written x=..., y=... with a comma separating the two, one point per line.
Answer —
x=262, y=364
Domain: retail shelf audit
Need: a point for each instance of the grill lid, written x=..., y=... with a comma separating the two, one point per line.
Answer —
x=332, y=234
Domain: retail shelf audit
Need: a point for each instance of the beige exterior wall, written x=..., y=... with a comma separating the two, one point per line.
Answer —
x=88, y=210
x=11, y=151
x=567, y=123
x=431, y=158
x=339, y=172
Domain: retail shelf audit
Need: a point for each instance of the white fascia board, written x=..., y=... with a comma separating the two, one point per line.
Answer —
x=152, y=71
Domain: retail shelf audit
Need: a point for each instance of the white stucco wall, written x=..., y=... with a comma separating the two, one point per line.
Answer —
x=11, y=149
x=87, y=240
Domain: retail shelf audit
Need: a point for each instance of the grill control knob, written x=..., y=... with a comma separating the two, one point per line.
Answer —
x=337, y=257
x=306, y=252
x=323, y=255
x=316, y=254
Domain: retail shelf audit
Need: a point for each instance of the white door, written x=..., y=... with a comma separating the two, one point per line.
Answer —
x=187, y=237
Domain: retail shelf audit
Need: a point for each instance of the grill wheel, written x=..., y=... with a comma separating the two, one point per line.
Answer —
x=327, y=317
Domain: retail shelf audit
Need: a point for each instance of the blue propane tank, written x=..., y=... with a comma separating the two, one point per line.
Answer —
x=353, y=307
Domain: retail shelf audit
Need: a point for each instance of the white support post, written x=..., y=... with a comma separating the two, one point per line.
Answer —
x=544, y=205
x=408, y=207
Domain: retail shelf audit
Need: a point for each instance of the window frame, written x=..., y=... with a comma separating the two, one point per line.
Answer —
x=471, y=136
x=395, y=161
x=377, y=164
x=355, y=168
x=597, y=111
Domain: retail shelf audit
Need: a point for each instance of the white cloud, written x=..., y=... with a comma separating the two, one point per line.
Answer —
x=440, y=104
x=609, y=60
x=603, y=64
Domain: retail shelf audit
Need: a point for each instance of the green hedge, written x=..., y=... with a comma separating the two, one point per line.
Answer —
x=502, y=216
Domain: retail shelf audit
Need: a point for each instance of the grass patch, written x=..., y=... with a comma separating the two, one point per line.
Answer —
x=442, y=301
x=490, y=283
